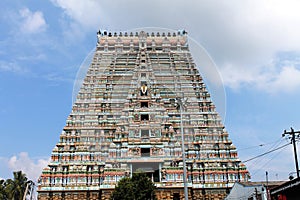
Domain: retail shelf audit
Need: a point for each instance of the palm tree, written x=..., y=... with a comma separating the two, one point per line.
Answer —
x=2, y=189
x=15, y=188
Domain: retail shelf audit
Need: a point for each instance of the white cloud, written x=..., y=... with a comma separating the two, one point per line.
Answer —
x=12, y=67
x=32, y=22
x=85, y=16
x=85, y=13
x=241, y=36
x=271, y=78
x=287, y=80
x=31, y=167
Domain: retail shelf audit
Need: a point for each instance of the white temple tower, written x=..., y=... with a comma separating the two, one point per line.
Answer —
x=124, y=119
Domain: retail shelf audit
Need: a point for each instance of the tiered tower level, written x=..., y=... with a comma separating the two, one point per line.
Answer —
x=124, y=119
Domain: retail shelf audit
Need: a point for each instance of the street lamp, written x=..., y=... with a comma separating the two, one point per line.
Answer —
x=180, y=105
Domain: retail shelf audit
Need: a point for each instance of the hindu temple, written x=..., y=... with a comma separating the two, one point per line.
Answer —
x=141, y=95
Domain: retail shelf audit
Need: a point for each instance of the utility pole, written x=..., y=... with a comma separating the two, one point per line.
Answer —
x=267, y=186
x=292, y=134
x=256, y=194
x=267, y=179
x=180, y=104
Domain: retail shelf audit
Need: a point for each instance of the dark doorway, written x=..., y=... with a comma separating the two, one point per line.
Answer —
x=144, y=117
x=145, y=152
x=144, y=104
x=156, y=176
x=176, y=196
x=151, y=169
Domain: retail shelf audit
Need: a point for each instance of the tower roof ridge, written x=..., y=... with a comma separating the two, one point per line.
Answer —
x=170, y=33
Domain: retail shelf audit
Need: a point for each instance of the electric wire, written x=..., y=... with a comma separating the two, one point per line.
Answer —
x=270, y=151
x=257, y=170
x=260, y=145
x=275, y=145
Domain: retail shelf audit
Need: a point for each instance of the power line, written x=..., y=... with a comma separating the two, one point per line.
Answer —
x=275, y=145
x=261, y=145
x=266, y=162
x=266, y=153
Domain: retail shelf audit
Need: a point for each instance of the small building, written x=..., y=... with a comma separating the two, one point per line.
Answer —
x=251, y=190
x=287, y=191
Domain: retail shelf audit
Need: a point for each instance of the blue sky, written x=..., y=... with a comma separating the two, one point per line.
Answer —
x=255, y=45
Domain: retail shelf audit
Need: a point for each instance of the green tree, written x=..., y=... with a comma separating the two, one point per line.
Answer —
x=14, y=188
x=124, y=190
x=2, y=189
x=139, y=187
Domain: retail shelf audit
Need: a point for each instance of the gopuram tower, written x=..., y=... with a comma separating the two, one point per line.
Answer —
x=140, y=91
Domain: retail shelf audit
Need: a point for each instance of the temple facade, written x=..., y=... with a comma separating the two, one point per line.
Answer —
x=126, y=118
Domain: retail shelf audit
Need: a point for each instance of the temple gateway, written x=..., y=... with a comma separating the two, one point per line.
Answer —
x=140, y=92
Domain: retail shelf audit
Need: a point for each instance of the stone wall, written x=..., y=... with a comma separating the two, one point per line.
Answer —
x=161, y=194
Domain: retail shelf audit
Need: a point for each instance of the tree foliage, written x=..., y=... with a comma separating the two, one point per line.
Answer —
x=13, y=188
x=2, y=189
x=139, y=187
